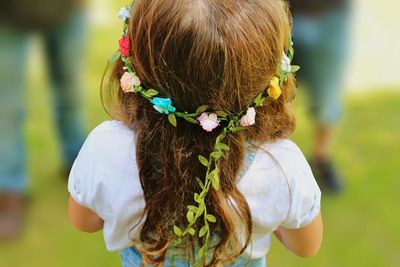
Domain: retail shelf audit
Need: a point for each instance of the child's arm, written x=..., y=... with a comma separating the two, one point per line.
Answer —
x=83, y=218
x=304, y=242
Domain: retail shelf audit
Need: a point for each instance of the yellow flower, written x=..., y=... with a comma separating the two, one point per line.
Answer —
x=274, y=89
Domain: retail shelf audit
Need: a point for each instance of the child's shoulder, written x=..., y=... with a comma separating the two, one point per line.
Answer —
x=285, y=153
x=283, y=146
x=286, y=188
x=112, y=127
x=107, y=139
x=104, y=168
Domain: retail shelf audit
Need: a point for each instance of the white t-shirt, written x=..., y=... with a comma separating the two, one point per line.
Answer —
x=278, y=186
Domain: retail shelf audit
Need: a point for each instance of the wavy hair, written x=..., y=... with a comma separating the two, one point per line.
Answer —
x=197, y=52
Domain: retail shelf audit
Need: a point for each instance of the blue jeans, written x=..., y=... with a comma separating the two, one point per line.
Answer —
x=131, y=258
x=321, y=45
x=64, y=47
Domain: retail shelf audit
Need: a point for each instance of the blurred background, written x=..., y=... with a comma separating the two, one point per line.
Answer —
x=361, y=219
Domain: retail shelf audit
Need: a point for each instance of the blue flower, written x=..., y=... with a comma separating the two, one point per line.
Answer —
x=163, y=105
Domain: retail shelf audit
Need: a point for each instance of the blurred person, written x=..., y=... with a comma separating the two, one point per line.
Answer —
x=61, y=26
x=320, y=32
x=135, y=176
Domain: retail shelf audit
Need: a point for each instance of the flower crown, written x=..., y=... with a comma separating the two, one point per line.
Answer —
x=208, y=120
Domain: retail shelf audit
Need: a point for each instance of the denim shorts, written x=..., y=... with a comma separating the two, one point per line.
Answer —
x=321, y=49
x=131, y=258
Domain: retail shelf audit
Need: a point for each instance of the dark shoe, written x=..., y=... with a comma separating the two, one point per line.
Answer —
x=327, y=177
x=12, y=213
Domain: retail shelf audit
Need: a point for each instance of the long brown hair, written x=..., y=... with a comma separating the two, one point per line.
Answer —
x=217, y=53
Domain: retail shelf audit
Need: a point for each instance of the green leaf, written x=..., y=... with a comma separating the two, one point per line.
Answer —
x=200, y=210
x=191, y=120
x=203, y=160
x=177, y=241
x=191, y=114
x=215, y=182
x=126, y=60
x=200, y=183
x=172, y=119
x=259, y=100
x=201, y=109
x=197, y=197
x=221, y=113
x=212, y=174
x=220, y=137
x=115, y=56
x=236, y=129
x=217, y=154
x=152, y=92
x=177, y=231
x=295, y=68
x=239, y=128
x=203, y=251
x=203, y=230
x=211, y=218
x=291, y=50
x=222, y=146
x=190, y=216
x=191, y=231
x=192, y=208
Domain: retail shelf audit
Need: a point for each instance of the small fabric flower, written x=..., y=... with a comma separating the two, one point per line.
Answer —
x=285, y=62
x=248, y=119
x=124, y=14
x=124, y=45
x=136, y=81
x=128, y=81
x=163, y=105
x=208, y=122
x=274, y=89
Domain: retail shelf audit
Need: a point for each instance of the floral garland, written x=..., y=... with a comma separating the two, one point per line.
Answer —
x=208, y=120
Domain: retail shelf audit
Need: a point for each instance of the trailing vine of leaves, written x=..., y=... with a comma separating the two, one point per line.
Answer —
x=199, y=210
x=198, y=214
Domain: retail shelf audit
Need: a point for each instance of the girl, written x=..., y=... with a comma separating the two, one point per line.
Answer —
x=195, y=169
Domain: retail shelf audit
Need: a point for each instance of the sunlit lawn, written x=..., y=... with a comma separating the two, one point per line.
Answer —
x=361, y=225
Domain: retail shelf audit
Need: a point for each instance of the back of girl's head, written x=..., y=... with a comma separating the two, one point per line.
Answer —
x=200, y=52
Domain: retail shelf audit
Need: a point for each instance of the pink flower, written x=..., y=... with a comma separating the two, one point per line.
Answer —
x=208, y=122
x=128, y=81
x=124, y=45
x=136, y=81
x=248, y=119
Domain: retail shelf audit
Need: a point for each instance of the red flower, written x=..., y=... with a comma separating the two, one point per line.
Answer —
x=124, y=46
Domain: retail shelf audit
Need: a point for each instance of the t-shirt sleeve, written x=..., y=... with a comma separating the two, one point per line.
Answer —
x=81, y=182
x=305, y=195
x=93, y=169
x=103, y=167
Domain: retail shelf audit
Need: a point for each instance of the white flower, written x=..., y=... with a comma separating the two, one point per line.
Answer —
x=286, y=67
x=248, y=119
x=124, y=14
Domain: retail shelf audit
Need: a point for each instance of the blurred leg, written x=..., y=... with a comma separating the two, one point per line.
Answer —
x=13, y=177
x=13, y=53
x=322, y=46
x=66, y=52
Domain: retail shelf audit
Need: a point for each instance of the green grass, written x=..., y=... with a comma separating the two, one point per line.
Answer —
x=361, y=225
